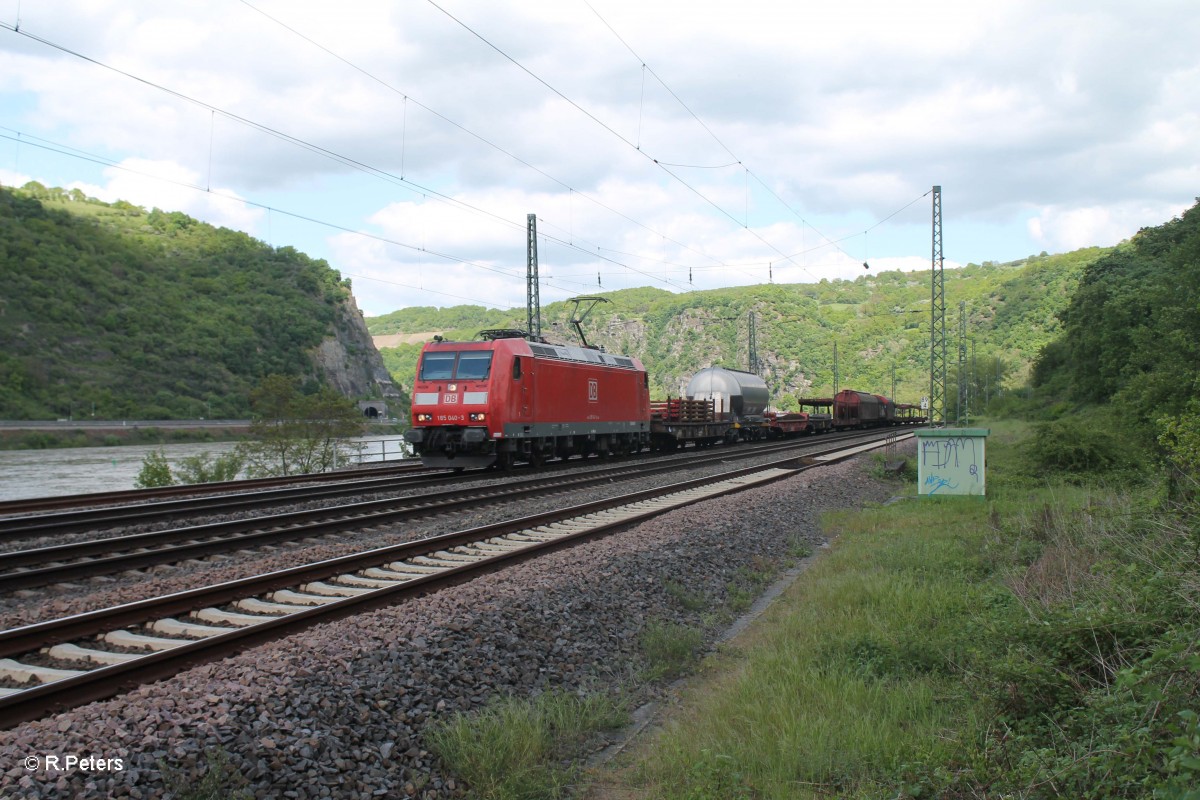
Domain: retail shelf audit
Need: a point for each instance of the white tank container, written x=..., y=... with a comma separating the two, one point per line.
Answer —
x=743, y=393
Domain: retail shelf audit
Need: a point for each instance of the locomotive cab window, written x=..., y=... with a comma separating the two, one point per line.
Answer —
x=516, y=369
x=437, y=366
x=468, y=365
x=474, y=365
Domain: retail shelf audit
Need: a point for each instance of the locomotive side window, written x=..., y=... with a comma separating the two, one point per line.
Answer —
x=516, y=369
x=474, y=365
x=437, y=366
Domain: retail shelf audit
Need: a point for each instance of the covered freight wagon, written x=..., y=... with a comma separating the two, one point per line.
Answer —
x=853, y=409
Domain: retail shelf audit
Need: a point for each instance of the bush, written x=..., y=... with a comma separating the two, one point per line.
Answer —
x=202, y=469
x=1073, y=445
x=155, y=471
x=1180, y=438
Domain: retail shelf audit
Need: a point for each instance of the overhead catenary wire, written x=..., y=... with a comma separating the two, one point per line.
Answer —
x=79, y=154
x=55, y=147
x=324, y=152
x=402, y=180
x=484, y=140
x=711, y=133
x=738, y=161
x=416, y=188
x=595, y=119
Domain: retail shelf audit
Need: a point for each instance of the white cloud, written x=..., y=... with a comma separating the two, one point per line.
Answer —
x=170, y=187
x=1060, y=229
x=1083, y=112
x=10, y=178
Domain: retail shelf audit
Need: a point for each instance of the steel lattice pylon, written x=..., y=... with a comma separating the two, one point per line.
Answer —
x=937, y=332
x=963, y=408
x=752, y=358
x=533, y=304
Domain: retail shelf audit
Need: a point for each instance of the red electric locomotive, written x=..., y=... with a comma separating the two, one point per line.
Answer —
x=506, y=399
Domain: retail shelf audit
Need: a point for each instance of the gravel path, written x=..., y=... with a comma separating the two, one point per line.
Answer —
x=338, y=710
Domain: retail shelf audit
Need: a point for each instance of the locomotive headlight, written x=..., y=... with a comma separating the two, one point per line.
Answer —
x=452, y=387
x=478, y=416
x=424, y=417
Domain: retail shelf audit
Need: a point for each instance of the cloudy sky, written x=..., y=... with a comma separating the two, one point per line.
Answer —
x=671, y=143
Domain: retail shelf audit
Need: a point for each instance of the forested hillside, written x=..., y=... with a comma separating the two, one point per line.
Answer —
x=114, y=312
x=1131, y=333
x=878, y=322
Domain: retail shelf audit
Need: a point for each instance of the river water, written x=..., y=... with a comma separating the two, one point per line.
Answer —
x=80, y=470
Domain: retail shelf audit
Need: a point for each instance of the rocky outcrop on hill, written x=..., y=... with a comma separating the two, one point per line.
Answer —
x=349, y=361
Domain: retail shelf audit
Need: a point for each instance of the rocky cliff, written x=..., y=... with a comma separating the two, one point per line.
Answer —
x=349, y=361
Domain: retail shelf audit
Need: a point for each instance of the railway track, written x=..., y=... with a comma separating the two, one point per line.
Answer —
x=23, y=519
x=98, y=654
x=142, y=496
x=82, y=519
x=24, y=569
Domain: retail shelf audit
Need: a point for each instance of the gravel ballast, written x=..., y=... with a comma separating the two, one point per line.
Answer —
x=59, y=600
x=339, y=710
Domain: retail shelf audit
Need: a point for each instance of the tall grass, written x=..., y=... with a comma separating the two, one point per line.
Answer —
x=670, y=649
x=514, y=749
x=853, y=679
x=1043, y=643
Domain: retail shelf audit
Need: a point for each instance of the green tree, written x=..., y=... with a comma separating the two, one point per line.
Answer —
x=203, y=468
x=155, y=471
x=1131, y=332
x=155, y=311
x=1179, y=436
x=294, y=433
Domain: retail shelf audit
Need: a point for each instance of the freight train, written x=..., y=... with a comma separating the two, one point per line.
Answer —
x=506, y=398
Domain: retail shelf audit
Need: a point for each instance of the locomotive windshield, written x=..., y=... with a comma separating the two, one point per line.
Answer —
x=474, y=365
x=466, y=365
x=437, y=366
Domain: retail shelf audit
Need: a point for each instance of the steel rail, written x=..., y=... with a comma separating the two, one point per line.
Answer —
x=25, y=569
x=107, y=681
x=24, y=527
x=90, y=513
x=32, y=504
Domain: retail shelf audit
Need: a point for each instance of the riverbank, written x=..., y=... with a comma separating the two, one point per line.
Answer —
x=58, y=434
x=60, y=471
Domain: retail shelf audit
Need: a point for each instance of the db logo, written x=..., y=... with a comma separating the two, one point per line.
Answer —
x=594, y=391
x=450, y=399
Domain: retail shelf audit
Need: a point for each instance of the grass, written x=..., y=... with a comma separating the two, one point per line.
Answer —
x=217, y=781
x=798, y=548
x=1041, y=643
x=519, y=749
x=689, y=601
x=853, y=674
x=670, y=649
